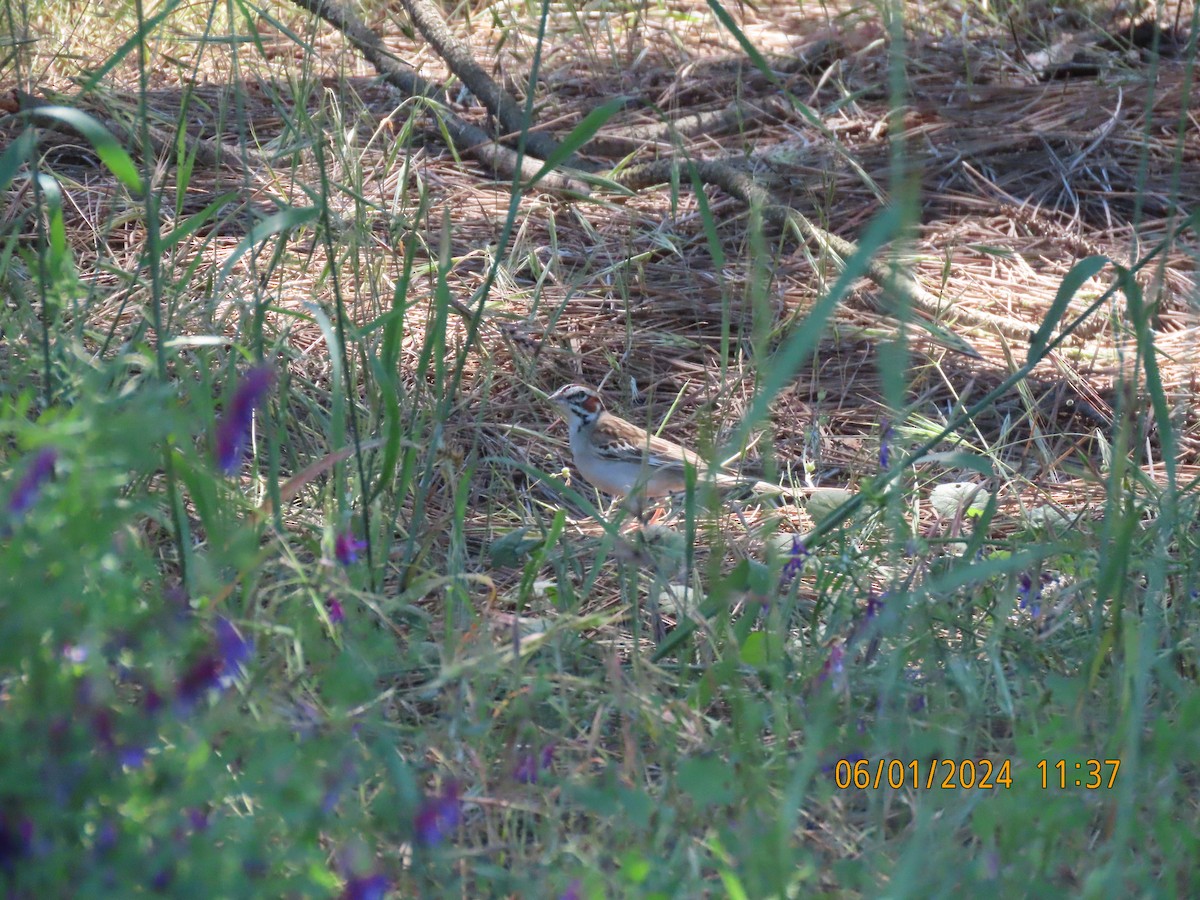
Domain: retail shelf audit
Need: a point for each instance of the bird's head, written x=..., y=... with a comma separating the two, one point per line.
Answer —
x=577, y=402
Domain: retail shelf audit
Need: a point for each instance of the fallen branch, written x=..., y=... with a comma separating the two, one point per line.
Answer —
x=458, y=57
x=465, y=137
x=474, y=140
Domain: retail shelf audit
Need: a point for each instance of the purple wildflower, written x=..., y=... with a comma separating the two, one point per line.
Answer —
x=85, y=692
x=132, y=757
x=373, y=887
x=529, y=765
x=346, y=547
x=75, y=653
x=874, y=606
x=198, y=818
x=329, y=800
x=795, y=563
x=1026, y=598
x=162, y=880
x=333, y=606
x=917, y=701
x=862, y=623
x=438, y=815
x=574, y=891
x=203, y=675
x=151, y=701
x=216, y=668
x=851, y=758
x=25, y=494
x=233, y=428
x=885, y=444
x=177, y=602
x=107, y=836
x=336, y=781
x=834, y=666
x=526, y=769
x=233, y=648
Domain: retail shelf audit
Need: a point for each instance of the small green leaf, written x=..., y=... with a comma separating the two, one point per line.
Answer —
x=637, y=805
x=823, y=502
x=635, y=868
x=57, y=236
x=1049, y=517
x=738, y=579
x=708, y=780
x=989, y=250
x=596, y=799
x=760, y=579
x=958, y=496
x=677, y=600
x=754, y=650
x=512, y=548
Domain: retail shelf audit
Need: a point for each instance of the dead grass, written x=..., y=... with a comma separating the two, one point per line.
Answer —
x=1020, y=179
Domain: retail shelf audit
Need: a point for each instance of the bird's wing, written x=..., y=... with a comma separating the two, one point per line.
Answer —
x=668, y=453
x=657, y=451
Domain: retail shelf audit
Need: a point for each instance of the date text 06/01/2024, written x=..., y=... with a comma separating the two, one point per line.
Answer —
x=968, y=774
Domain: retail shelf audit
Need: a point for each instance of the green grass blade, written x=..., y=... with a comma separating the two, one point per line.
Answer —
x=107, y=147
x=580, y=135
x=1070, y=285
x=279, y=223
x=16, y=155
x=800, y=345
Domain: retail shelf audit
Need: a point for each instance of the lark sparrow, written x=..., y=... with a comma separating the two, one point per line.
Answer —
x=621, y=459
